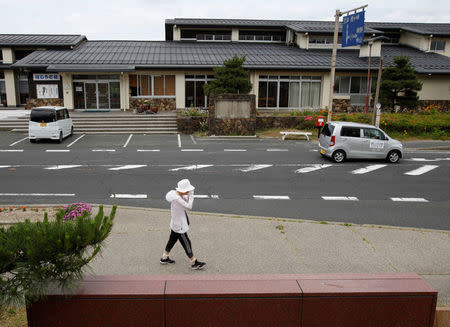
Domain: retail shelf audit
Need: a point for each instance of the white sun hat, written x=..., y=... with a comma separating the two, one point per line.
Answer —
x=184, y=186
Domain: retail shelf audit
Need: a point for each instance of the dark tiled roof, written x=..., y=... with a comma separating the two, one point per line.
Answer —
x=419, y=28
x=322, y=27
x=130, y=55
x=40, y=40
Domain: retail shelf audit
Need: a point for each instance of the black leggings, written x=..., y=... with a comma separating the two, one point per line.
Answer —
x=184, y=240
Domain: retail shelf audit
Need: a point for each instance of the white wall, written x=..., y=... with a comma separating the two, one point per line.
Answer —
x=180, y=90
x=234, y=34
x=421, y=42
x=8, y=55
x=124, y=91
x=10, y=84
x=302, y=40
x=67, y=90
x=435, y=87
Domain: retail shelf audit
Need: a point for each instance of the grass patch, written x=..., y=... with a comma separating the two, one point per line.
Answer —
x=324, y=222
x=13, y=317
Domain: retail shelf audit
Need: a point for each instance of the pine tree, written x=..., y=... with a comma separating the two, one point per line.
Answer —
x=400, y=84
x=230, y=78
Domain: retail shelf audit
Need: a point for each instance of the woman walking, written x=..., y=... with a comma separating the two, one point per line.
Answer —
x=181, y=199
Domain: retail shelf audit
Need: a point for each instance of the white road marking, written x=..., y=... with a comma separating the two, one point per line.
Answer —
x=271, y=197
x=57, y=150
x=367, y=169
x=142, y=150
x=179, y=140
x=5, y=166
x=311, y=168
x=193, y=139
x=11, y=150
x=409, y=200
x=37, y=194
x=128, y=140
x=12, y=144
x=103, y=150
x=254, y=167
x=205, y=196
x=277, y=150
x=62, y=167
x=192, y=150
x=313, y=150
x=340, y=198
x=423, y=159
x=192, y=167
x=127, y=167
x=75, y=141
x=235, y=150
x=421, y=170
x=129, y=196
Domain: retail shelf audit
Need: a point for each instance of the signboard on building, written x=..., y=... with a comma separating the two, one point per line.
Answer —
x=47, y=91
x=46, y=77
x=353, y=29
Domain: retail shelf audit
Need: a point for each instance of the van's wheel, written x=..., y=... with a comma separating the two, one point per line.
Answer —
x=60, y=137
x=393, y=156
x=71, y=131
x=32, y=140
x=338, y=156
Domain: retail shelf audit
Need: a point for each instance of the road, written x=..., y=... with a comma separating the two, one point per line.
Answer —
x=264, y=177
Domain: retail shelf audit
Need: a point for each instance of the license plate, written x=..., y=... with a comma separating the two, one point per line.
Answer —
x=322, y=151
x=43, y=124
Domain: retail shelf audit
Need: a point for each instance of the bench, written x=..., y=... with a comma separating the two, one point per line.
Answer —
x=307, y=134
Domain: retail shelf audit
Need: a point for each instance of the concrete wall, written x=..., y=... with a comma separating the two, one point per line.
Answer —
x=8, y=55
x=435, y=87
x=234, y=34
x=10, y=84
x=176, y=33
x=364, y=50
x=124, y=91
x=421, y=42
x=180, y=90
x=302, y=40
x=326, y=81
x=67, y=90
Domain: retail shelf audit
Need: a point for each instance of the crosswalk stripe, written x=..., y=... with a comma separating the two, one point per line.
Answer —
x=271, y=197
x=129, y=196
x=127, y=167
x=421, y=170
x=57, y=150
x=277, y=150
x=205, y=196
x=340, y=198
x=36, y=194
x=311, y=168
x=367, y=169
x=5, y=166
x=409, y=200
x=254, y=167
x=192, y=167
x=62, y=167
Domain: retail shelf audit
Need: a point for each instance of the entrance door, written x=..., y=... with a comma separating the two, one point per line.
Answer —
x=91, y=95
x=103, y=95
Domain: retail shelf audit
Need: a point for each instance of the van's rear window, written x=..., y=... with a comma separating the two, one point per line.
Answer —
x=43, y=116
x=327, y=130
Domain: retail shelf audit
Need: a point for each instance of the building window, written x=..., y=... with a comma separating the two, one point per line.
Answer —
x=262, y=36
x=195, y=96
x=206, y=35
x=289, y=92
x=437, y=45
x=213, y=37
x=323, y=41
x=355, y=87
x=23, y=88
x=2, y=88
x=152, y=86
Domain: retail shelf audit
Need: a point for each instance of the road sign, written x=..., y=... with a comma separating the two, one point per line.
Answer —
x=353, y=29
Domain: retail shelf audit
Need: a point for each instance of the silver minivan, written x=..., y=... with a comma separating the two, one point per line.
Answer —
x=50, y=122
x=346, y=140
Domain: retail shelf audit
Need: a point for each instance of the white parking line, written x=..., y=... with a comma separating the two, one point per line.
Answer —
x=423, y=159
x=235, y=150
x=367, y=169
x=409, y=200
x=103, y=150
x=421, y=170
x=340, y=198
x=311, y=168
x=129, y=196
x=11, y=150
x=57, y=150
x=192, y=167
x=193, y=139
x=277, y=150
x=143, y=150
x=271, y=197
x=127, y=167
x=5, y=166
x=62, y=167
x=37, y=194
x=254, y=167
x=129, y=138
x=179, y=140
x=12, y=144
x=204, y=196
x=192, y=150
x=75, y=141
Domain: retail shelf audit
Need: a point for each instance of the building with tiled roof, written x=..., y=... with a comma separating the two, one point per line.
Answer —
x=289, y=64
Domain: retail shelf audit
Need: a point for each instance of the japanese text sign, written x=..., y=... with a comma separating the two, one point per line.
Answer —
x=353, y=29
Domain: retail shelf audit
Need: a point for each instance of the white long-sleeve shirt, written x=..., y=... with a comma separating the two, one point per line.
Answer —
x=178, y=207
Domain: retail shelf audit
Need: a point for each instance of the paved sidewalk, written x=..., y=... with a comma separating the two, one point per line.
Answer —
x=233, y=244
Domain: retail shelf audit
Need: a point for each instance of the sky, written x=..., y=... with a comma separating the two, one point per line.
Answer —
x=144, y=19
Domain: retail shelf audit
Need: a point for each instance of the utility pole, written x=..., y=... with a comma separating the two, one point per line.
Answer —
x=368, y=77
x=333, y=56
x=375, y=118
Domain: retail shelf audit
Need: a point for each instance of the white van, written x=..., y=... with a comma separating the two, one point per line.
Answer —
x=49, y=123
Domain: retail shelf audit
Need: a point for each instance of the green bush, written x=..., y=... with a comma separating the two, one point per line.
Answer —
x=37, y=255
x=192, y=112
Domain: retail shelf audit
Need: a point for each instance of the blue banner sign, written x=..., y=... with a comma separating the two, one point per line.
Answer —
x=353, y=29
x=46, y=77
